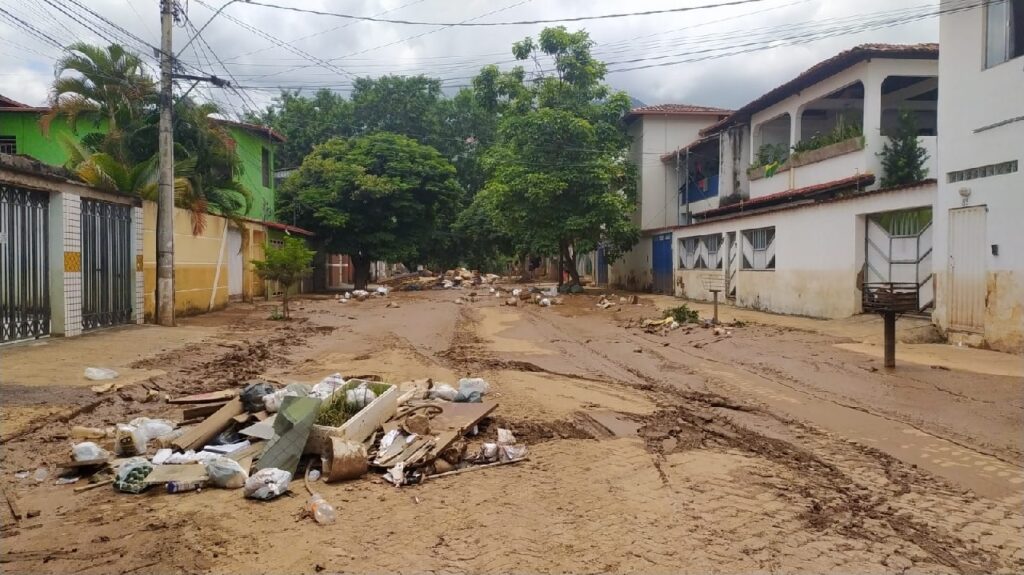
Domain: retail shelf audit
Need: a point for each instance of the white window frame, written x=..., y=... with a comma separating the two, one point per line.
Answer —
x=1008, y=10
x=759, y=249
x=695, y=252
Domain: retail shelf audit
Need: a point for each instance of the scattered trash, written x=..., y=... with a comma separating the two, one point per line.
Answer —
x=267, y=483
x=252, y=395
x=99, y=373
x=40, y=474
x=320, y=510
x=88, y=451
x=21, y=475
x=544, y=302
x=131, y=475
x=80, y=432
x=67, y=480
x=344, y=460
x=226, y=473
x=183, y=486
x=382, y=291
x=313, y=475
x=505, y=437
x=443, y=391
x=162, y=455
x=396, y=475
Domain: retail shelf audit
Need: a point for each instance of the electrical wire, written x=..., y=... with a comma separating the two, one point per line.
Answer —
x=513, y=23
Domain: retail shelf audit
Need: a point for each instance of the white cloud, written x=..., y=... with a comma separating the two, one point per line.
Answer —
x=455, y=54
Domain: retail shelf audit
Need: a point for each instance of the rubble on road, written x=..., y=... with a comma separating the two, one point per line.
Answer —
x=258, y=437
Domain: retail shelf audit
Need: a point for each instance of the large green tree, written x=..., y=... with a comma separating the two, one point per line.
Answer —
x=558, y=181
x=374, y=197
x=306, y=121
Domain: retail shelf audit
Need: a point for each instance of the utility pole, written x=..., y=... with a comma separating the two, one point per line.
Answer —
x=165, y=199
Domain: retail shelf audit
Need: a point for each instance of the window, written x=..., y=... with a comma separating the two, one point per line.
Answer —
x=759, y=249
x=8, y=145
x=1004, y=31
x=982, y=172
x=267, y=171
x=700, y=252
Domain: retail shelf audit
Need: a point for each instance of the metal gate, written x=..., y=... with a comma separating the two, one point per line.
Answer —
x=24, y=264
x=898, y=249
x=107, y=271
x=967, y=270
x=661, y=263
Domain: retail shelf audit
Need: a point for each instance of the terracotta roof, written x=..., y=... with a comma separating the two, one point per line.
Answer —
x=676, y=110
x=823, y=70
x=9, y=105
x=857, y=181
x=256, y=128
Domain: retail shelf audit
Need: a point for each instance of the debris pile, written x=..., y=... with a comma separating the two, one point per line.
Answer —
x=259, y=437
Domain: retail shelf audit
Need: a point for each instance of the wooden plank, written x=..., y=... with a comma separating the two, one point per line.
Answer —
x=201, y=434
x=200, y=410
x=88, y=463
x=12, y=502
x=211, y=397
x=167, y=473
x=93, y=485
x=474, y=467
x=460, y=417
x=242, y=418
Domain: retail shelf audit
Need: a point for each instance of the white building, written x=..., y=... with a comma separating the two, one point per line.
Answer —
x=979, y=244
x=780, y=205
x=656, y=130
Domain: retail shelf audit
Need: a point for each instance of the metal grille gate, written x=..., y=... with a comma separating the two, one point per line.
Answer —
x=24, y=264
x=107, y=272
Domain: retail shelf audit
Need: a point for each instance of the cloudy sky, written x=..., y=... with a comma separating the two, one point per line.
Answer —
x=721, y=56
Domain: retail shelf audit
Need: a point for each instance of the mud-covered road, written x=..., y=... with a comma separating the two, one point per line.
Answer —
x=762, y=449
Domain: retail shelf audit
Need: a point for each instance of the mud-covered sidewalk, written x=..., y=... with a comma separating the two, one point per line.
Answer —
x=771, y=446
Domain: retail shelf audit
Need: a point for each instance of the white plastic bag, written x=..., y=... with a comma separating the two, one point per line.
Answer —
x=511, y=452
x=327, y=386
x=162, y=455
x=360, y=397
x=227, y=473
x=468, y=385
x=272, y=401
x=129, y=440
x=544, y=302
x=267, y=483
x=88, y=451
x=505, y=437
x=489, y=451
x=382, y=291
x=152, y=428
x=443, y=391
x=99, y=373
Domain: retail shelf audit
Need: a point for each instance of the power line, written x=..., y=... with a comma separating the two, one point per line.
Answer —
x=513, y=23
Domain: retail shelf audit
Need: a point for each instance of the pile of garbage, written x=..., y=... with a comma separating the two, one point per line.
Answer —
x=362, y=295
x=260, y=437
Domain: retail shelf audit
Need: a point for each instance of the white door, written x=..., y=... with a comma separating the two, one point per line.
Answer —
x=967, y=285
x=235, y=265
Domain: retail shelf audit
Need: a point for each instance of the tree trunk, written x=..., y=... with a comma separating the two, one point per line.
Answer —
x=570, y=262
x=561, y=262
x=525, y=274
x=361, y=271
x=284, y=300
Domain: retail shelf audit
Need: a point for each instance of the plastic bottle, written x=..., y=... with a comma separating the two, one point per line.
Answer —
x=182, y=486
x=320, y=509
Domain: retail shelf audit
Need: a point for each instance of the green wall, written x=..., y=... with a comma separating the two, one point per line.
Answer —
x=249, y=148
x=24, y=126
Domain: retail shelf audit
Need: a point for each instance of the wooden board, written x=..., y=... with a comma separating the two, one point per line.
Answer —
x=460, y=417
x=211, y=397
x=200, y=410
x=88, y=463
x=166, y=473
x=202, y=433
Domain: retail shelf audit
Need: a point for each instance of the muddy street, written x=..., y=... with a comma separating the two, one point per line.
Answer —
x=764, y=447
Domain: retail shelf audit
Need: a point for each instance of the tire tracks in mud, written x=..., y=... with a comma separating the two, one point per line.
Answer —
x=832, y=497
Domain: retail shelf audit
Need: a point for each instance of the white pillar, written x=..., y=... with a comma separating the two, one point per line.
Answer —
x=71, y=260
x=139, y=295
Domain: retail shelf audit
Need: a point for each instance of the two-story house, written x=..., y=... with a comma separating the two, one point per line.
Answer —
x=782, y=204
x=655, y=131
x=979, y=245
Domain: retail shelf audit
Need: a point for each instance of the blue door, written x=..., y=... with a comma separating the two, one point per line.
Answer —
x=661, y=263
x=602, y=267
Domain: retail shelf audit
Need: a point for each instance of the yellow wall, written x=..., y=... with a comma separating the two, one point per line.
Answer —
x=195, y=261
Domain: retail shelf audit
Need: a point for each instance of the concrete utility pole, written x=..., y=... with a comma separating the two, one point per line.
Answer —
x=165, y=199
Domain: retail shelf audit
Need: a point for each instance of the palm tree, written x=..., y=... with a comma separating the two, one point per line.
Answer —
x=111, y=85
